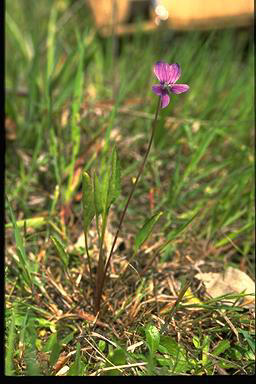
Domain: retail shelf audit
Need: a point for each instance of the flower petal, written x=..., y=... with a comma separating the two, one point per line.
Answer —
x=174, y=72
x=165, y=100
x=179, y=88
x=161, y=70
x=157, y=89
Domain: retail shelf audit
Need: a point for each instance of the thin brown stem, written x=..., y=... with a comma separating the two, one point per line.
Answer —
x=97, y=306
x=88, y=256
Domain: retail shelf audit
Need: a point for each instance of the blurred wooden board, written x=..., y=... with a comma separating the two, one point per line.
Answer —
x=112, y=15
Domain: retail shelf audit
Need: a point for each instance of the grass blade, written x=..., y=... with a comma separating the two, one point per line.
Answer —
x=75, y=129
x=51, y=42
x=174, y=233
x=36, y=222
x=193, y=163
x=75, y=369
x=10, y=345
x=24, y=262
x=146, y=230
x=64, y=256
x=25, y=45
x=55, y=349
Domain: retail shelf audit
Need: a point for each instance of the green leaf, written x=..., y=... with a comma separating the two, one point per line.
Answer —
x=24, y=265
x=164, y=362
x=48, y=346
x=67, y=338
x=75, y=127
x=97, y=194
x=62, y=78
x=75, y=369
x=102, y=345
x=177, y=353
x=24, y=43
x=9, y=371
x=250, y=340
x=171, y=346
x=196, y=342
x=115, y=178
x=117, y=357
x=30, y=358
x=55, y=349
x=35, y=222
x=61, y=251
x=205, y=350
x=105, y=189
x=146, y=230
x=51, y=41
x=88, y=201
x=152, y=338
x=222, y=346
x=20, y=248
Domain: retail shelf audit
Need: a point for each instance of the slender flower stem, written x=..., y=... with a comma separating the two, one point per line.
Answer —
x=88, y=255
x=98, y=298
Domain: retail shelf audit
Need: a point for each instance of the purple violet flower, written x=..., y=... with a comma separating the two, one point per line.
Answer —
x=167, y=75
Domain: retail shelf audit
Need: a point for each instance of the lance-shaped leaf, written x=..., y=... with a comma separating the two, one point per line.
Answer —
x=97, y=195
x=152, y=337
x=75, y=368
x=205, y=350
x=221, y=347
x=115, y=178
x=111, y=182
x=88, y=201
x=105, y=189
x=146, y=230
x=55, y=350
